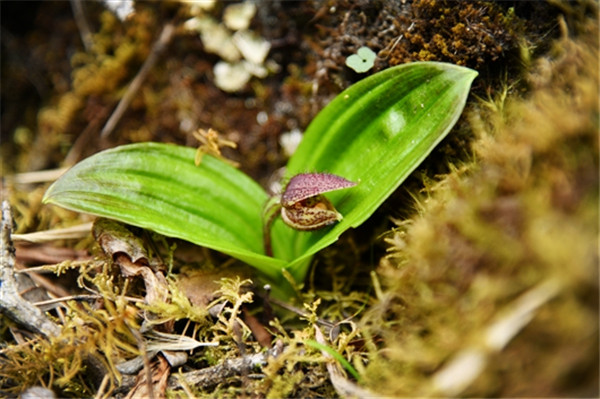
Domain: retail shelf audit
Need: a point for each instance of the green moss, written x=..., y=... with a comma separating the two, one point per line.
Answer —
x=524, y=211
x=90, y=343
x=474, y=34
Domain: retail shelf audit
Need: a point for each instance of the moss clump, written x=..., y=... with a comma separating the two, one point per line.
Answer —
x=475, y=34
x=90, y=344
x=524, y=212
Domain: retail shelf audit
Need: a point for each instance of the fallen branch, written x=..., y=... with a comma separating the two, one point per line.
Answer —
x=11, y=302
x=211, y=376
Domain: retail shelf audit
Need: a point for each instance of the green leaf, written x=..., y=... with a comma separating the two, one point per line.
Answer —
x=375, y=133
x=158, y=187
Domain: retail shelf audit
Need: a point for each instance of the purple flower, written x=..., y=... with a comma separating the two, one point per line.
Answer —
x=302, y=204
x=303, y=207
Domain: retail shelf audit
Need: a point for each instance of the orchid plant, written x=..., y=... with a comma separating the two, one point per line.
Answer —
x=359, y=149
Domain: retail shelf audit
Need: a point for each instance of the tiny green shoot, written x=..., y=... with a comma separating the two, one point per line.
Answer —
x=333, y=353
x=362, y=61
x=372, y=135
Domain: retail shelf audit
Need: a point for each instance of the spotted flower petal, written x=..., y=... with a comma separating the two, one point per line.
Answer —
x=305, y=185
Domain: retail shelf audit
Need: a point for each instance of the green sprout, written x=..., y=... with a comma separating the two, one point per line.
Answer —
x=336, y=355
x=374, y=134
x=362, y=61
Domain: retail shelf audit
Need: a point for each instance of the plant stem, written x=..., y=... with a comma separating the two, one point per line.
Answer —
x=272, y=208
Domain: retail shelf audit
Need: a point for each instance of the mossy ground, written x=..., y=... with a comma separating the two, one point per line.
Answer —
x=508, y=202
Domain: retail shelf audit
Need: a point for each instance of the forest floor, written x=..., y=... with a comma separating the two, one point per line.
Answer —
x=477, y=278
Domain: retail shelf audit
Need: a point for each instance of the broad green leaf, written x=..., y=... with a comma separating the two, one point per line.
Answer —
x=158, y=187
x=375, y=133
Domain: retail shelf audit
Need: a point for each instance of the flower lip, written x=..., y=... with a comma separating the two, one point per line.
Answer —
x=306, y=185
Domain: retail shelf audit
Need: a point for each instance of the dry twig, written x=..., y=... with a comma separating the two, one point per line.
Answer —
x=164, y=39
x=11, y=302
x=211, y=376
